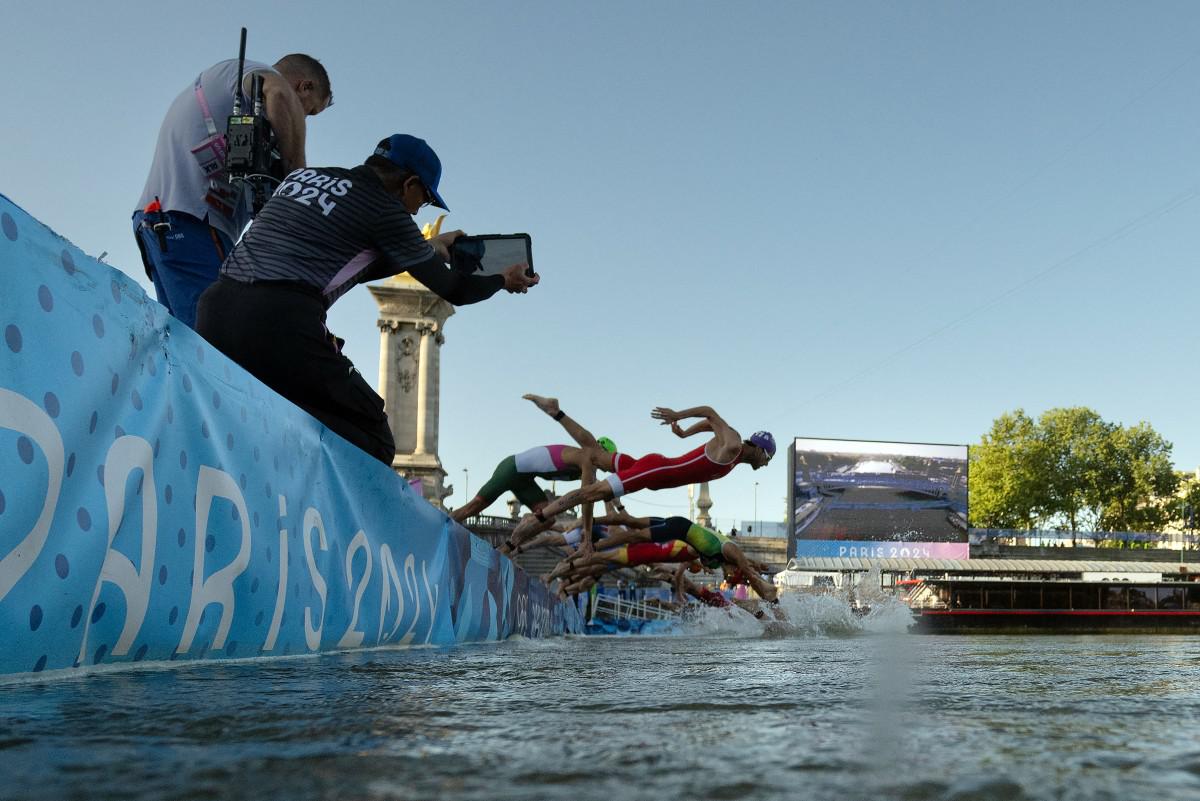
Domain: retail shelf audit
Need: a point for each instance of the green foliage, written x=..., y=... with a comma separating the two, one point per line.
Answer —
x=1071, y=470
x=1005, y=492
x=1183, y=511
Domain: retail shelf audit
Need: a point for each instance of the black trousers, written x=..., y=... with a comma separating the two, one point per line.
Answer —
x=276, y=331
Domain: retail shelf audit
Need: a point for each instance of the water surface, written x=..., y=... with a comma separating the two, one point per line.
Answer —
x=829, y=709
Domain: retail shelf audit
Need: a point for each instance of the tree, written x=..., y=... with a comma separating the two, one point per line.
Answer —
x=1072, y=470
x=1136, y=472
x=1183, y=510
x=1006, y=489
x=1074, y=442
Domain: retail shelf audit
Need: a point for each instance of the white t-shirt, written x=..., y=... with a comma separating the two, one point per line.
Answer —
x=175, y=176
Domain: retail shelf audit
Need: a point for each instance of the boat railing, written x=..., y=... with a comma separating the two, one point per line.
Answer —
x=923, y=596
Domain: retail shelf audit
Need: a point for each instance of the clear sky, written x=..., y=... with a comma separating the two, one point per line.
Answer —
x=870, y=220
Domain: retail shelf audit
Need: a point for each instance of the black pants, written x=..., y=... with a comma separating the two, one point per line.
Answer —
x=276, y=331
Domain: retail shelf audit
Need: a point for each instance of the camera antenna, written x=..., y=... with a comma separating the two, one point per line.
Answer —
x=237, y=97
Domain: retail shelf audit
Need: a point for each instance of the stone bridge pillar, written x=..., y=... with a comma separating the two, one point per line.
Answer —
x=411, y=321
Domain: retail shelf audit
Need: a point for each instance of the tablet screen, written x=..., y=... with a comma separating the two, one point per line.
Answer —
x=491, y=254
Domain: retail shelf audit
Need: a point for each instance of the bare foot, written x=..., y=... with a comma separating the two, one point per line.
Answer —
x=547, y=405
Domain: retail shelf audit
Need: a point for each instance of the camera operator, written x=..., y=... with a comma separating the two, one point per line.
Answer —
x=189, y=214
x=325, y=230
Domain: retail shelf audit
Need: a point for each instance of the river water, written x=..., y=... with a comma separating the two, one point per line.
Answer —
x=831, y=707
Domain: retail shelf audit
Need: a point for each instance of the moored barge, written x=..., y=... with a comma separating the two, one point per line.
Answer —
x=949, y=596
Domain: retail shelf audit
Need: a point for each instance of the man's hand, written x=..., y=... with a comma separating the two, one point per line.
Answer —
x=442, y=242
x=547, y=405
x=515, y=279
x=669, y=417
x=665, y=415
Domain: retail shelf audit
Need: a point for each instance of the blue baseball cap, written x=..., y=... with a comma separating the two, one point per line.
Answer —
x=411, y=153
x=764, y=440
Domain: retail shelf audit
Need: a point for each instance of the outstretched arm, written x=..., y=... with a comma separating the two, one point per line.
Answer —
x=727, y=438
x=585, y=540
x=623, y=518
x=677, y=583
x=577, y=432
x=733, y=554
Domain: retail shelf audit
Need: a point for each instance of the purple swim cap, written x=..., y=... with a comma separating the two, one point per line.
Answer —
x=764, y=440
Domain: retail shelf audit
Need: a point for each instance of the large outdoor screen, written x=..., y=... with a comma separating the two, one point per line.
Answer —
x=878, y=499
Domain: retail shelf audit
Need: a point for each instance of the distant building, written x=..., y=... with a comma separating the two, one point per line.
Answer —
x=762, y=528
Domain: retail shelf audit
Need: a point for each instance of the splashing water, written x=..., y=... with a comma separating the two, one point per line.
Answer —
x=804, y=615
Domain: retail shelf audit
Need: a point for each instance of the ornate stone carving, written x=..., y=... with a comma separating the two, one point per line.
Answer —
x=409, y=377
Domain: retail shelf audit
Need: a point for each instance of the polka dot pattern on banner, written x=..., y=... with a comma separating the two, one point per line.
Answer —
x=73, y=337
x=13, y=338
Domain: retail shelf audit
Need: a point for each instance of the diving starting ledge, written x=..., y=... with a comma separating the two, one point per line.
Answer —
x=158, y=503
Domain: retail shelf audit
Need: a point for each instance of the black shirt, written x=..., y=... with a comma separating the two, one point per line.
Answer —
x=332, y=228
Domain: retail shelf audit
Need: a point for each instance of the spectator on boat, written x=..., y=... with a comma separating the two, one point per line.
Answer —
x=198, y=213
x=324, y=231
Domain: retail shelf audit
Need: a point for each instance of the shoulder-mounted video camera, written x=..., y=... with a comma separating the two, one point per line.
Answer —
x=251, y=155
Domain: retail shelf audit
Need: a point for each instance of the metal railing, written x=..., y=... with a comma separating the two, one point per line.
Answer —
x=620, y=609
x=491, y=521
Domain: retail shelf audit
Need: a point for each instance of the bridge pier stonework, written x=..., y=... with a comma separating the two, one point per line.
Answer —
x=411, y=321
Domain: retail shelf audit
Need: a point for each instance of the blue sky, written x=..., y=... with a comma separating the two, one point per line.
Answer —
x=875, y=220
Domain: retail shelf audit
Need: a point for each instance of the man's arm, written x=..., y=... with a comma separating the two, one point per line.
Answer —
x=397, y=237
x=452, y=286
x=282, y=108
x=623, y=518
x=727, y=438
x=461, y=289
x=677, y=583
x=585, y=538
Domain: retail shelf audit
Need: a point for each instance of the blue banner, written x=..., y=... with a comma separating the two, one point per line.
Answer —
x=159, y=503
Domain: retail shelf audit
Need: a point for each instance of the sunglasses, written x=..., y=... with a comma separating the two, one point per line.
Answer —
x=429, y=198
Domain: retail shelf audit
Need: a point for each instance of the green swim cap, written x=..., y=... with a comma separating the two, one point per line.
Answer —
x=607, y=444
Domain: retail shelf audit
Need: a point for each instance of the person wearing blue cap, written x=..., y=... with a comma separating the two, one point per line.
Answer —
x=712, y=460
x=325, y=230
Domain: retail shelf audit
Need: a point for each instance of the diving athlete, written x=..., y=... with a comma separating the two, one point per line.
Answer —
x=714, y=459
x=516, y=473
x=713, y=548
x=673, y=539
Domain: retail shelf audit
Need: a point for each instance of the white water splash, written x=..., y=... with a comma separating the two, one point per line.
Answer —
x=804, y=615
x=730, y=621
